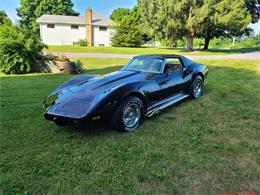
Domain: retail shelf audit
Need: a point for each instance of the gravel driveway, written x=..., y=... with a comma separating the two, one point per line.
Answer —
x=249, y=55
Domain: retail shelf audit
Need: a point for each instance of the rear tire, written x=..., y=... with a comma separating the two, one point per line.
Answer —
x=196, y=87
x=129, y=115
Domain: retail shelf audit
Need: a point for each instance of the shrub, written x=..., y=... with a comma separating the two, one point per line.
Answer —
x=83, y=42
x=76, y=67
x=19, y=50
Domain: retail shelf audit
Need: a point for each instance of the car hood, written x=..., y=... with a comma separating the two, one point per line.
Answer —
x=76, y=101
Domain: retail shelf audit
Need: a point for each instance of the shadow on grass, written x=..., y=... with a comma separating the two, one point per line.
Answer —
x=98, y=128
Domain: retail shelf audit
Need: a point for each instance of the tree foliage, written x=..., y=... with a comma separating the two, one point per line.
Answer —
x=3, y=17
x=253, y=6
x=30, y=10
x=19, y=49
x=127, y=33
x=172, y=19
x=118, y=14
x=223, y=18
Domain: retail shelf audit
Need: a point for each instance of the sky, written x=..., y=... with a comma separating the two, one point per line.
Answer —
x=104, y=7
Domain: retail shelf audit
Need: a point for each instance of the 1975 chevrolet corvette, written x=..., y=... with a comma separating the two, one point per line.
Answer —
x=143, y=87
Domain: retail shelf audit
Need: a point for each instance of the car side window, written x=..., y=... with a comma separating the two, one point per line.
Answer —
x=172, y=65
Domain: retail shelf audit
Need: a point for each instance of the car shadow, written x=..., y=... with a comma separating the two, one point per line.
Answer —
x=97, y=128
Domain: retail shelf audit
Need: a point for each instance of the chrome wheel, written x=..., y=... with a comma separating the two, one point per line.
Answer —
x=131, y=115
x=197, y=89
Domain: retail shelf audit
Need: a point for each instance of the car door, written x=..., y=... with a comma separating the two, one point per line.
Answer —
x=177, y=77
x=163, y=86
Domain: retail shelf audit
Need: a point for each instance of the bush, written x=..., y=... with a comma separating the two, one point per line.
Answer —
x=83, y=42
x=19, y=50
x=76, y=67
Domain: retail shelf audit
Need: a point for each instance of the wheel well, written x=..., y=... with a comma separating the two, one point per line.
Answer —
x=140, y=96
x=200, y=74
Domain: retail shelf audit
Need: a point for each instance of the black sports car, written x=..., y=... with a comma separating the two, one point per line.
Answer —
x=143, y=87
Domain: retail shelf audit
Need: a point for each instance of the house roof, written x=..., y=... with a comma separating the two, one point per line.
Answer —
x=97, y=19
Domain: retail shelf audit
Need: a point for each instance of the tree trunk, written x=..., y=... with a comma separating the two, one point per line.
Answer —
x=189, y=43
x=206, y=43
x=173, y=41
x=174, y=44
x=233, y=41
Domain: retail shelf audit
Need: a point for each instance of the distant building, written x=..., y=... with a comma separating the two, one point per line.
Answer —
x=67, y=30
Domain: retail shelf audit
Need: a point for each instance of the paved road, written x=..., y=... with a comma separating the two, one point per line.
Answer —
x=249, y=55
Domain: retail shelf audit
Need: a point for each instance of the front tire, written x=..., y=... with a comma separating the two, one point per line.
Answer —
x=196, y=87
x=129, y=115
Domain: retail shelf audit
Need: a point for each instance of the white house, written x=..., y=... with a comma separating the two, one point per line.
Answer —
x=67, y=30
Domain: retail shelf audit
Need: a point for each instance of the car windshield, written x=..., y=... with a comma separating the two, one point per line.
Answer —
x=152, y=65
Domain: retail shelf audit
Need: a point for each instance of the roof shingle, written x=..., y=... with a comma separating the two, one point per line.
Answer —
x=97, y=19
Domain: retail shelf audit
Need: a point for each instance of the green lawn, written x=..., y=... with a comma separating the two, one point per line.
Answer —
x=136, y=51
x=204, y=146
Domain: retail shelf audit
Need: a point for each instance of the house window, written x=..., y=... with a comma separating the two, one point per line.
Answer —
x=74, y=26
x=50, y=26
x=102, y=28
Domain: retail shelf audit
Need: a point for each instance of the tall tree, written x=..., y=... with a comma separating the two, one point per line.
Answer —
x=232, y=17
x=30, y=10
x=222, y=18
x=171, y=19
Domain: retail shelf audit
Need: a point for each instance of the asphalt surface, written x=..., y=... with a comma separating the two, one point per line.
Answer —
x=250, y=55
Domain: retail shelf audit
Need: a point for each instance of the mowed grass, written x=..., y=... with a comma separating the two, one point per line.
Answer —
x=142, y=50
x=205, y=146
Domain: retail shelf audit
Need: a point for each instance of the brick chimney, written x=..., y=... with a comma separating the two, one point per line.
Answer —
x=89, y=30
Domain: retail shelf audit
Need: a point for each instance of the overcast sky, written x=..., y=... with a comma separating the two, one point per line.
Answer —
x=104, y=7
